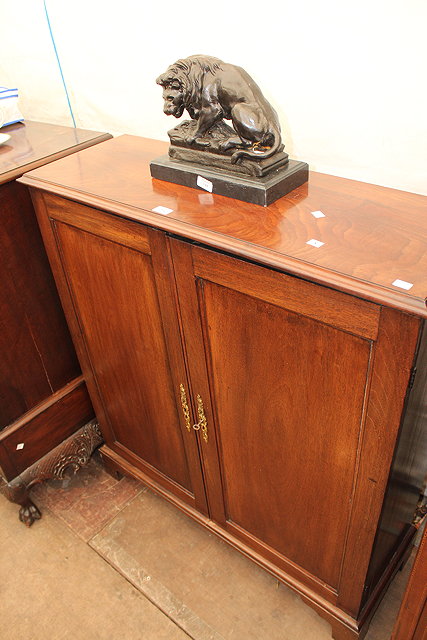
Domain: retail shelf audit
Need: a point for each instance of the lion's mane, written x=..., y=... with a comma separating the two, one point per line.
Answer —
x=189, y=72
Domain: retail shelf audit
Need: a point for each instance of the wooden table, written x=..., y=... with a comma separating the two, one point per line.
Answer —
x=43, y=397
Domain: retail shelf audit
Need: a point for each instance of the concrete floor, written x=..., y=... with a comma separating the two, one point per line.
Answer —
x=109, y=559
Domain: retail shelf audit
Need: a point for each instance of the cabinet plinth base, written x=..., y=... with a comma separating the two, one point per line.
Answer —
x=344, y=626
x=262, y=191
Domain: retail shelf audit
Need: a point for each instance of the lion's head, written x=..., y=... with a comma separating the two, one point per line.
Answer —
x=182, y=84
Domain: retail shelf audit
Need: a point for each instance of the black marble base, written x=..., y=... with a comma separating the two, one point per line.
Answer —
x=262, y=191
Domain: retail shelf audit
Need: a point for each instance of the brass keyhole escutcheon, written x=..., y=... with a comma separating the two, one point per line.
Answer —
x=202, y=425
x=185, y=409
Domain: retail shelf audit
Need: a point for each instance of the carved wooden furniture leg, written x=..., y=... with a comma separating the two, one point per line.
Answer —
x=73, y=452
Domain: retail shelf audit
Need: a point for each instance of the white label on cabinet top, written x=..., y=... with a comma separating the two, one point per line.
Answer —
x=318, y=214
x=315, y=243
x=206, y=198
x=163, y=210
x=19, y=446
x=204, y=184
x=402, y=284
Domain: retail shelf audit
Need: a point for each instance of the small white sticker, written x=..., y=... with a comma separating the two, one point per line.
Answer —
x=402, y=284
x=19, y=446
x=204, y=184
x=315, y=243
x=206, y=198
x=318, y=214
x=163, y=210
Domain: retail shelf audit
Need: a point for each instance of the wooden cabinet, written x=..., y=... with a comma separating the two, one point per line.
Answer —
x=43, y=397
x=263, y=394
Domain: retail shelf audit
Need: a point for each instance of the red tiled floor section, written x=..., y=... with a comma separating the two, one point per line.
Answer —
x=88, y=500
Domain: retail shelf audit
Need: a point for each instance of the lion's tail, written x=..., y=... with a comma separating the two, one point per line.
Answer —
x=260, y=155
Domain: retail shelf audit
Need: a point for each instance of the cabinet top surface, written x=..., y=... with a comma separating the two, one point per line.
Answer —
x=374, y=238
x=32, y=144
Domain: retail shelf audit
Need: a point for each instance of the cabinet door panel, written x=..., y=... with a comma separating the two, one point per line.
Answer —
x=304, y=388
x=287, y=374
x=114, y=293
x=286, y=388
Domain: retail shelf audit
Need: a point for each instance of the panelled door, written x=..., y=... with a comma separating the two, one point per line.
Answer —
x=283, y=368
x=120, y=290
x=269, y=403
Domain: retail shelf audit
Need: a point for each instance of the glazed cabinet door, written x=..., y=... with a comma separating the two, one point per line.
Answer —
x=116, y=288
x=298, y=384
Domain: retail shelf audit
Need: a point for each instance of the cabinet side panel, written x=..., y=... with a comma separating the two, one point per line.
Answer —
x=116, y=301
x=407, y=474
x=393, y=358
x=37, y=353
x=289, y=393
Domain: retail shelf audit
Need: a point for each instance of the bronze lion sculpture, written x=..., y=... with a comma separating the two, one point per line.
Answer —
x=212, y=90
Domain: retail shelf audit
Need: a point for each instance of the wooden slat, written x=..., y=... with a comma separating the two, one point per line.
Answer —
x=47, y=425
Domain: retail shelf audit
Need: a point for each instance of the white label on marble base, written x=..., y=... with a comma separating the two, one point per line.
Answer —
x=204, y=184
x=19, y=446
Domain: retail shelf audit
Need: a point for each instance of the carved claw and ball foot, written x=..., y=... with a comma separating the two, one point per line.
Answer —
x=29, y=513
x=17, y=491
x=73, y=453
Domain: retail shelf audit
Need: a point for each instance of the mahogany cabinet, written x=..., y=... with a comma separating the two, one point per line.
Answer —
x=265, y=386
x=43, y=397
